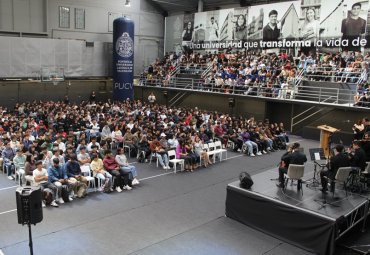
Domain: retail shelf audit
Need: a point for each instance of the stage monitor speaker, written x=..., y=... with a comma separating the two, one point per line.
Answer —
x=231, y=102
x=29, y=205
x=246, y=181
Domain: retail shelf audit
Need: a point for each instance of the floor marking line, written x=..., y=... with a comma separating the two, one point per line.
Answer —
x=7, y=212
x=6, y=189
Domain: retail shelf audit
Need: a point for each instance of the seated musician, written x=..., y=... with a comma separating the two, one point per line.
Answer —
x=292, y=156
x=357, y=156
x=340, y=159
x=365, y=145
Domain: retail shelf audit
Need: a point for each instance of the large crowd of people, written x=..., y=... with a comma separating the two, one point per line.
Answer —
x=64, y=148
x=264, y=74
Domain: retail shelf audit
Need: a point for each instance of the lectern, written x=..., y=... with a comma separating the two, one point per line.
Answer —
x=325, y=138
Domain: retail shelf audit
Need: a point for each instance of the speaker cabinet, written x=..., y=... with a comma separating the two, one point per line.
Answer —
x=29, y=205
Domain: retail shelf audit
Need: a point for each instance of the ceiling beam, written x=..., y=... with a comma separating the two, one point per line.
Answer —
x=159, y=7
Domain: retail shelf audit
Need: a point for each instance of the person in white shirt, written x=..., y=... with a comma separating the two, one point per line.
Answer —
x=121, y=159
x=61, y=145
x=40, y=176
x=93, y=142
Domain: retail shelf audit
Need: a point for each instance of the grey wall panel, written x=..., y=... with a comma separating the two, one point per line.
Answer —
x=61, y=56
x=87, y=60
x=22, y=18
x=33, y=53
x=5, y=57
x=38, y=16
x=151, y=25
x=74, y=59
x=6, y=15
x=47, y=52
x=100, y=60
x=18, y=57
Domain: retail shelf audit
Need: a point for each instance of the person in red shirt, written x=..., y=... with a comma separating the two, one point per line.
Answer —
x=111, y=165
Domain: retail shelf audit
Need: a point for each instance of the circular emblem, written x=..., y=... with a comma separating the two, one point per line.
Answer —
x=125, y=46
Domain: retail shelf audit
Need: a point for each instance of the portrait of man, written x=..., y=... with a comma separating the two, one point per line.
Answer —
x=353, y=26
x=271, y=32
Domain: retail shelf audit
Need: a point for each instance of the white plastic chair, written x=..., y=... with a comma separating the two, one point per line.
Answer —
x=87, y=174
x=295, y=172
x=342, y=177
x=212, y=151
x=218, y=147
x=175, y=161
x=153, y=155
x=19, y=175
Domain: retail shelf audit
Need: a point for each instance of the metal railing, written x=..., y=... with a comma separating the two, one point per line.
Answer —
x=333, y=75
x=318, y=95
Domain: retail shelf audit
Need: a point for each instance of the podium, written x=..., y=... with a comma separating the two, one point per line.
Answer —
x=325, y=138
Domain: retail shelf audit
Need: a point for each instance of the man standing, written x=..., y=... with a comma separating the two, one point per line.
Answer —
x=271, y=32
x=292, y=156
x=213, y=30
x=353, y=26
x=339, y=160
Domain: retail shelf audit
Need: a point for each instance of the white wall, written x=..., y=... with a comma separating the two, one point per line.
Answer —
x=42, y=16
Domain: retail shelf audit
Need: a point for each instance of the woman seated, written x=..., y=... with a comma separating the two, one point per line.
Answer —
x=185, y=152
x=198, y=148
x=121, y=159
x=97, y=167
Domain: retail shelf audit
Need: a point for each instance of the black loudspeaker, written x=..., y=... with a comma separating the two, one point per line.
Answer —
x=29, y=205
x=246, y=181
x=231, y=102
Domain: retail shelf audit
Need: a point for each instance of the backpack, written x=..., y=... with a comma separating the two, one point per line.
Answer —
x=81, y=189
x=246, y=181
x=65, y=193
x=47, y=196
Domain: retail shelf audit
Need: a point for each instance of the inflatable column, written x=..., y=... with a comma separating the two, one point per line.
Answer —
x=123, y=59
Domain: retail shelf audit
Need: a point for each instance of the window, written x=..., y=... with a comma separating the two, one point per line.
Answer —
x=64, y=13
x=79, y=18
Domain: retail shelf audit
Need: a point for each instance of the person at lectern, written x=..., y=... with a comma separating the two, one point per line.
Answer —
x=292, y=156
x=271, y=32
x=340, y=159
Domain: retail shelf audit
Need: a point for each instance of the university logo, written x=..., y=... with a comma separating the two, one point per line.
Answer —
x=125, y=46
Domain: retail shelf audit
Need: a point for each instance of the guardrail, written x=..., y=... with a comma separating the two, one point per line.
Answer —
x=334, y=75
x=330, y=96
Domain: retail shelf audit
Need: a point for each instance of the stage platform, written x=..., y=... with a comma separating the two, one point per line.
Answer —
x=302, y=220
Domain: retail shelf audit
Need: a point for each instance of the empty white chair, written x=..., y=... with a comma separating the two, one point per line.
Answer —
x=172, y=158
x=218, y=147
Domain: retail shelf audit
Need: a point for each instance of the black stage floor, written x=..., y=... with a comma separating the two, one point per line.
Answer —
x=311, y=198
x=293, y=217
